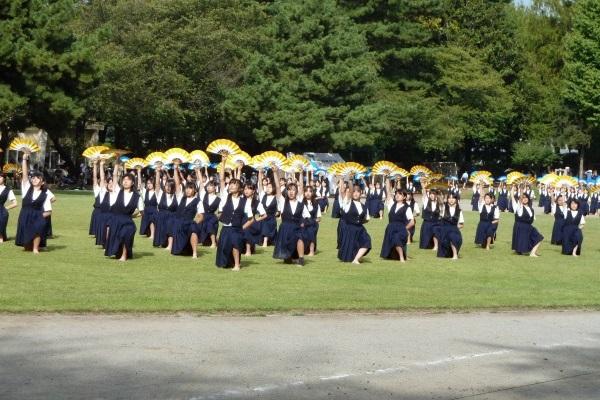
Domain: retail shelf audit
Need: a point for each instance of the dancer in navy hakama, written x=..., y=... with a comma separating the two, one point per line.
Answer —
x=525, y=238
x=289, y=245
x=354, y=240
x=210, y=225
x=448, y=232
x=233, y=207
x=489, y=216
x=124, y=202
x=431, y=220
x=572, y=239
x=150, y=207
x=36, y=207
x=310, y=226
x=400, y=221
x=559, y=211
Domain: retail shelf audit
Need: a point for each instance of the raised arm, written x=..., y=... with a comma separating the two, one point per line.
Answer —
x=222, y=175
x=139, y=179
x=388, y=189
x=25, y=168
x=102, y=182
x=260, y=179
x=301, y=184
x=177, y=179
x=95, y=182
x=199, y=184
x=157, y=186
x=276, y=181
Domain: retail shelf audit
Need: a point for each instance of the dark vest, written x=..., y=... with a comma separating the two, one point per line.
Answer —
x=271, y=209
x=37, y=204
x=232, y=216
x=484, y=216
x=576, y=220
x=448, y=219
x=430, y=214
x=525, y=217
x=125, y=209
x=211, y=208
x=398, y=217
x=187, y=209
x=162, y=205
x=353, y=217
x=288, y=216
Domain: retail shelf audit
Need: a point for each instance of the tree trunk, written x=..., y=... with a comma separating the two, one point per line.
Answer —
x=64, y=153
x=581, y=155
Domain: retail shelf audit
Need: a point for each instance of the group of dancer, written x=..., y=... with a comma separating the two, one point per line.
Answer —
x=183, y=209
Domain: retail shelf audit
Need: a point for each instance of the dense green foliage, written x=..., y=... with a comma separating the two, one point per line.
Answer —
x=480, y=82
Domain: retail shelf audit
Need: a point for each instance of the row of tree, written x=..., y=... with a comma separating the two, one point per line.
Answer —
x=479, y=82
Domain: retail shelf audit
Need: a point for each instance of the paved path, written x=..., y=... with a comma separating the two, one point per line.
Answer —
x=537, y=355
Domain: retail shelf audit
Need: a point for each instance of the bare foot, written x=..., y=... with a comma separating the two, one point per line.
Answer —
x=213, y=246
x=236, y=268
x=533, y=255
x=122, y=259
x=194, y=255
x=356, y=262
x=247, y=254
x=455, y=258
x=310, y=255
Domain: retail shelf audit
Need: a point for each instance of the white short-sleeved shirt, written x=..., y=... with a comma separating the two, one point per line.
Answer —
x=11, y=195
x=97, y=190
x=452, y=210
x=488, y=208
x=183, y=199
x=25, y=185
x=236, y=201
x=345, y=206
x=294, y=204
x=409, y=212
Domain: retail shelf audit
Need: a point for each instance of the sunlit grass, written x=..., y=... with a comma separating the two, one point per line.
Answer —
x=73, y=275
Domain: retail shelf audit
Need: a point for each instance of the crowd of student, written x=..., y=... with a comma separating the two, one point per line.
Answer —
x=182, y=209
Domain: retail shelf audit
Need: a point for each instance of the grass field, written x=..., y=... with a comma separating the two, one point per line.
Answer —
x=74, y=276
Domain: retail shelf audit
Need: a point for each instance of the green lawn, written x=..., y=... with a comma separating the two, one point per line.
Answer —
x=73, y=275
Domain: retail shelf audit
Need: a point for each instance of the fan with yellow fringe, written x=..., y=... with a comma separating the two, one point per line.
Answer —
x=420, y=170
x=513, y=176
x=136, y=163
x=223, y=147
x=351, y=168
x=229, y=166
x=241, y=158
x=334, y=168
x=400, y=172
x=94, y=152
x=548, y=179
x=298, y=162
x=567, y=181
x=269, y=158
x=199, y=158
x=481, y=177
x=383, y=168
x=158, y=158
x=525, y=180
x=177, y=156
x=26, y=145
x=11, y=168
x=595, y=189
